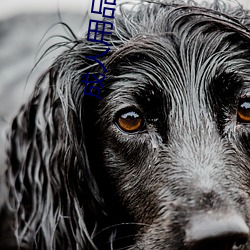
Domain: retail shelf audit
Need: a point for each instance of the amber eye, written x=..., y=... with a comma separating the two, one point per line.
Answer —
x=130, y=121
x=243, y=113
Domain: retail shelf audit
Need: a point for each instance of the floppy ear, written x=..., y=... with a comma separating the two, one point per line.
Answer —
x=53, y=197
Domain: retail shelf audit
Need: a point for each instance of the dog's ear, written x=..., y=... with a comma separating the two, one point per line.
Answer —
x=52, y=191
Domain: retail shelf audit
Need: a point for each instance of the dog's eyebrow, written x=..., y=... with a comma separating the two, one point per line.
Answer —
x=227, y=81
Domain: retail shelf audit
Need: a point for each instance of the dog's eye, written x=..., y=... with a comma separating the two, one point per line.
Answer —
x=243, y=113
x=130, y=121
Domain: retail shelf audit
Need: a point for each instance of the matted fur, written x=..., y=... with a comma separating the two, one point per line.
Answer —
x=76, y=181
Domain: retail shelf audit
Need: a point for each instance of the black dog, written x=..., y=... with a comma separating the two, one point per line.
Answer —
x=161, y=162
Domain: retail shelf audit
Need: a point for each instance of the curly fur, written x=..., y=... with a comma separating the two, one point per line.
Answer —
x=76, y=181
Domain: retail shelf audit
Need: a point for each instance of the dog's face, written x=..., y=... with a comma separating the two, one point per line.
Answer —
x=174, y=133
x=162, y=161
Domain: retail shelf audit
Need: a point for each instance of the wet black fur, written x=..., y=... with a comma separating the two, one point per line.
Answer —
x=76, y=181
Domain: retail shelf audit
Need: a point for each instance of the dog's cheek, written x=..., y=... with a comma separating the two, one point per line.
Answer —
x=131, y=172
x=244, y=140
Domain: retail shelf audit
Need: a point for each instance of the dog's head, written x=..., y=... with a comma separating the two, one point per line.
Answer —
x=163, y=159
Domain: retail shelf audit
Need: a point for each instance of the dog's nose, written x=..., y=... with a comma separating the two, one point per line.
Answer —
x=217, y=232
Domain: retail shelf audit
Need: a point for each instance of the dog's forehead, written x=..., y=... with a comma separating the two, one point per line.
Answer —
x=186, y=66
x=184, y=55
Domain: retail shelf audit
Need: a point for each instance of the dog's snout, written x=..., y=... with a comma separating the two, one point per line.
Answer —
x=217, y=232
